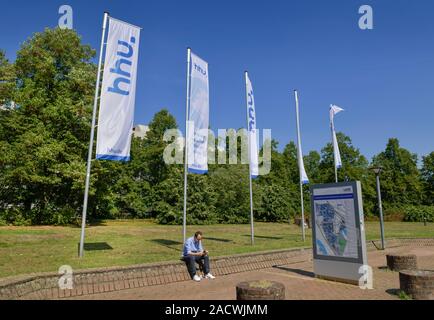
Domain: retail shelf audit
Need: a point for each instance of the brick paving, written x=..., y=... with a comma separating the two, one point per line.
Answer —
x=297, y=276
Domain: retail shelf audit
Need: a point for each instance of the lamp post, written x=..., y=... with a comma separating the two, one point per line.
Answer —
x=377, y=170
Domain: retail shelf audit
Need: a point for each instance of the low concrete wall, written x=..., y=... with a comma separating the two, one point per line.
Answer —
x=85, y=282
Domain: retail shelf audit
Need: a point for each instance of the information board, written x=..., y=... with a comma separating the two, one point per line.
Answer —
x=339, y=247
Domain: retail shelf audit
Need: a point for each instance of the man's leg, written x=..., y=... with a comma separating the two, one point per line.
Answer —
x=191, y=265
x=205, y=261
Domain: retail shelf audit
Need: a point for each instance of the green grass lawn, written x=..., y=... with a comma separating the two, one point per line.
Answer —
x=26, y=250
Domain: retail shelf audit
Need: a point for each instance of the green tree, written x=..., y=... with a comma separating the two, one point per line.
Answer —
x=354, y=168
x=277, y=196
x=354, y=164
x=7, y=79
x=133, y=188
x=428, y=178
x=290, y=162
x=43, y=152
x=202, y=200
x=45, y=137
x=400, y=180
x=231, y=187
x=312, y=165
x=277, y=204
x=154, y=145
x=165, y=181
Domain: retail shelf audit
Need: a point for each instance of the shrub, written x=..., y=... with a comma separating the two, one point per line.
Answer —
x=14, y=216
x=419, y=214
x=64, y=216
x=276, y=205
x=394, y=214
x=166, y=214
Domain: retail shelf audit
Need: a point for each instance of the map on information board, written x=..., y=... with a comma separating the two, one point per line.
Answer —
x=335, y=222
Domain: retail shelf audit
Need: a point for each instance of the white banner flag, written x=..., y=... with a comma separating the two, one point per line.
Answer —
x=197, y=131
x=251, y=122
x=116, y=114
x=333, y=111
x=303, y=176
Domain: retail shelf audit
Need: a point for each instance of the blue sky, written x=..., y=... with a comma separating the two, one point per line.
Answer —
x=383, y=78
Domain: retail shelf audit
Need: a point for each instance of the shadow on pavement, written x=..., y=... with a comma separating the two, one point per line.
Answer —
x=386, y=268
x=298, y=271
x=393, y=292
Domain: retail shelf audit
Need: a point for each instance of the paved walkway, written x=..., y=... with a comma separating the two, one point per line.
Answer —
x=298, y=279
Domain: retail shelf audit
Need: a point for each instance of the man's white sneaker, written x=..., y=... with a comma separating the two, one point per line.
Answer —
x=209, y=276
x=196, y=278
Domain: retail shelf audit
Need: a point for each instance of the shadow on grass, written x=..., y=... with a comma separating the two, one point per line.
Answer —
x=264, y=237
x=218, y=239
x=96, y=223
x=89, y=224
x=298, y=271
x=167, y=243
x=97, y=246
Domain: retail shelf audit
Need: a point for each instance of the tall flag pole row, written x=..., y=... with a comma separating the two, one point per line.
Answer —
x=303, y=176
x=116, y=115
x=337, y=156
x=117, y=100
x=252, y=146
x=197, y=122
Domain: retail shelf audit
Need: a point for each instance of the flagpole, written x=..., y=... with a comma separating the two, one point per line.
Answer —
x=184, y=226
x=299, y=156
x=92, y=133
x=252, y=231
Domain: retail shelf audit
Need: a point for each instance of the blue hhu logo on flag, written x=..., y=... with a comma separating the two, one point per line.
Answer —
x=252, y=120
x=116, y=115
x=251, y=127
x=200, y=69
x=125, y=60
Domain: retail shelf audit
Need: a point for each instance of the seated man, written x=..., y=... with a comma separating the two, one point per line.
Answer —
x=192, y=253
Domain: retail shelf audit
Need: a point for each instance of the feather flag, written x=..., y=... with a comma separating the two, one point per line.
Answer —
x=251, y=119
x=303, y=176
x=116, y=114
x=334, y=110
x=198, y=117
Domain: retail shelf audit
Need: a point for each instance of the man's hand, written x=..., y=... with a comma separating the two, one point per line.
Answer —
x=199, y=254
